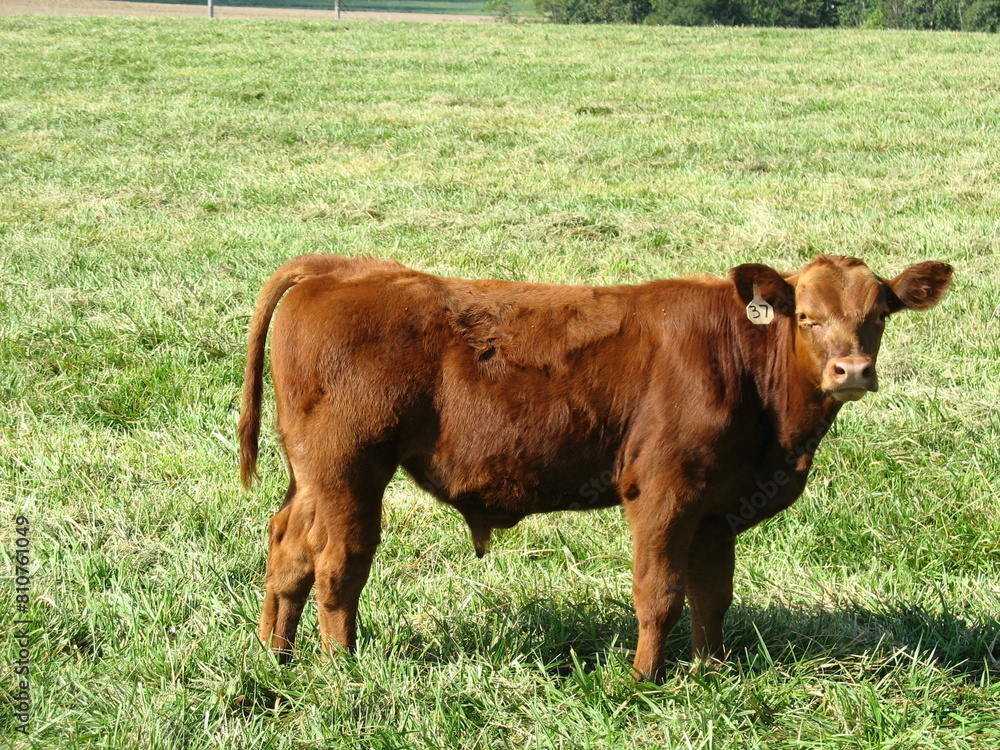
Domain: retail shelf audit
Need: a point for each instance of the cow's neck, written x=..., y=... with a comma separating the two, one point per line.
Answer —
x=799, y=414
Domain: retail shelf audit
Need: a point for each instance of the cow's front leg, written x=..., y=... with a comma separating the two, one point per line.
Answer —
x=710, y=588
x=662, y=541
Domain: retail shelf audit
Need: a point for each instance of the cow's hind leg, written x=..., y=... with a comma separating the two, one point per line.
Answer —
x=289, y=573
x=325, y=533
x=344, y=538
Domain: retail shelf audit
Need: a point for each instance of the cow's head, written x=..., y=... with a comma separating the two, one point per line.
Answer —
x=839, y=308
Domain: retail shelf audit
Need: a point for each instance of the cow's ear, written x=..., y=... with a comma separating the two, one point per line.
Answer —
x=770, y=284
x=919, y=287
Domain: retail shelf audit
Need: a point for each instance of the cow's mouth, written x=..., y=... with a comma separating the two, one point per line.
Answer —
x=843, y=395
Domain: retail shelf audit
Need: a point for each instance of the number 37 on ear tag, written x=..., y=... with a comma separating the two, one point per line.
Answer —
x=759, y=310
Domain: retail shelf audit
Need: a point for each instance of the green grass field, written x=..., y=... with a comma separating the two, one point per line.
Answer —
x=155, y=172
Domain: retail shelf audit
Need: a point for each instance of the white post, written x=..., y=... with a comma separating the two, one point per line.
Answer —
x=336, y=7
x=211, y=9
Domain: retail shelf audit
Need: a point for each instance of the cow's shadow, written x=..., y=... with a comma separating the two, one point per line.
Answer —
x=569, y=637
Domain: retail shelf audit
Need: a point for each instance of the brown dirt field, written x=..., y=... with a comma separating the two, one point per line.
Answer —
x=116, y=8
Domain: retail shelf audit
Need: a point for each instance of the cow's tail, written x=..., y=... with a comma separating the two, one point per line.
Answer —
x=290, y=274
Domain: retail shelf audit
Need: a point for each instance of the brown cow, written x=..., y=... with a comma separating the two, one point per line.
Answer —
x=505, y=399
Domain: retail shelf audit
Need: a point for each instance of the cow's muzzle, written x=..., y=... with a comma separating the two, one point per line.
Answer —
x=850, y=378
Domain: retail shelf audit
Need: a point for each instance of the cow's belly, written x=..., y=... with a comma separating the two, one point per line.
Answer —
x=525, y=443
x=518, y=480
x=521, y=486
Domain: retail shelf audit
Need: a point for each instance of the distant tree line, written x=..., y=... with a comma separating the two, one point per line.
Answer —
x=949, y=15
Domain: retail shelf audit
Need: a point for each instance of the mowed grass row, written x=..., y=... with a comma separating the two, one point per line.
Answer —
x=154, y=173
x=448, y=7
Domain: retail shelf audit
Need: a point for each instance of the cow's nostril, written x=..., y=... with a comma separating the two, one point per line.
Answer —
x=838, y=370
x=867, y=373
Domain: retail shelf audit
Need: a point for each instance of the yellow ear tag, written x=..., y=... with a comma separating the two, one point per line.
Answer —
x=759, y=311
